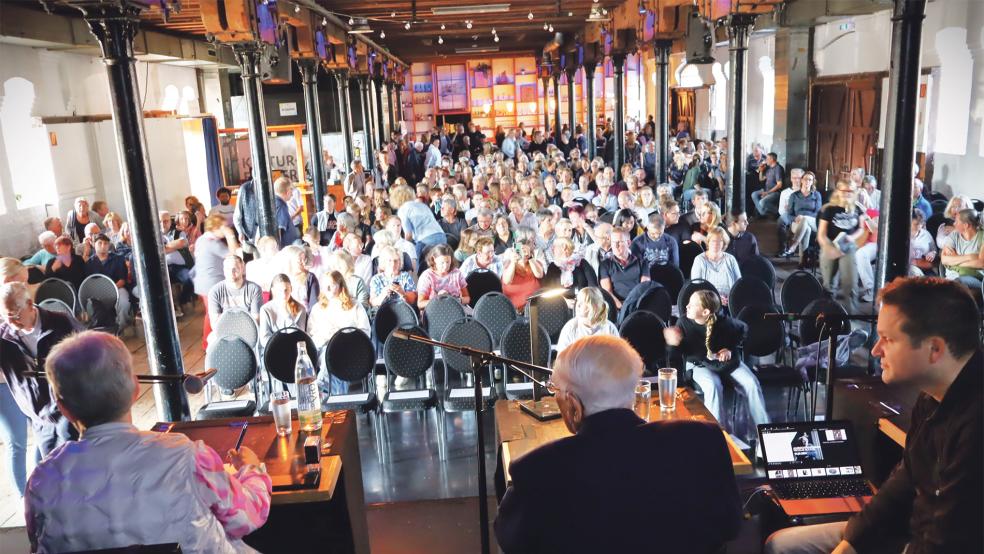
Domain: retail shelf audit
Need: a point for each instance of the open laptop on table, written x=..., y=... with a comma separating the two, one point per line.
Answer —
x=814, y=467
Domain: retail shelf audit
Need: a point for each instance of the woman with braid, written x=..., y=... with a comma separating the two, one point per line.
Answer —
x=709, y=342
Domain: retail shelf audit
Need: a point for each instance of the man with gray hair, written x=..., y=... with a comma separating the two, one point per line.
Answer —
x=119, y=486
x=47, y=251
x=234, y=292
x=618, y=475
x=27, y=335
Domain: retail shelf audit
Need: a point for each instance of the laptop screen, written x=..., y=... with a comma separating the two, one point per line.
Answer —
x=810, y=450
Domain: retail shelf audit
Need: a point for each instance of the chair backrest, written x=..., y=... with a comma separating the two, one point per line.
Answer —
x=56, y=305
x=516, y=342
x=453, y=240
x=496, y=312
x=644, y=331
x=53, y=287
x=765, y=336
x=689, y=288
x=798, y=290
x=810, y=330
x=553, y=313
x=669, y=276
x=349, y=355
x=239, y=323
x=467, y=331
x=688, y=253
x=658, y=301
x=391, y=315
x=98, y=287
x=280, y=354
x=440, y=313
x=749, y=291
x=761, y=268
x=407, y=358
x=480, y=282
x=234, y=361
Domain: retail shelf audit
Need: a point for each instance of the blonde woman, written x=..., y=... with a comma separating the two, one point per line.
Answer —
x=717, y=266
x=709, y=218
x=645, y=203
x=306, y=289
x=956, y=204
x=840, y=233
x=590, y=318
x=335, y=310
x=282, y=311
x=341, y=261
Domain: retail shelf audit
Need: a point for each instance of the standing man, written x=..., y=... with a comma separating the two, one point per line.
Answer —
x=245, y=218
x=355, y=181
x=433, y=158
x=929, y=336
x=224, y=207
x=27, y=335
x=285, y=218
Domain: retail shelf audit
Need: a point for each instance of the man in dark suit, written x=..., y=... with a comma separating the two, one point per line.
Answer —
x=619, y=484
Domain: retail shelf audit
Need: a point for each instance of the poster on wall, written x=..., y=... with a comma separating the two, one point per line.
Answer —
x=482, y=75
x=502, y=68
x=452, y=93
x=527, y=92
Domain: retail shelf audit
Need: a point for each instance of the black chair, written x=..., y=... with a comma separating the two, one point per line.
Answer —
x=349, y=356
x=453, y=240
x=480, y=282
x=466, y=331
x=58, y=289
x=761, y=268
x=939, y=205
x=553, y=313
x=689, y=251
x=238, y=323
x=516, y=345
x=280, y=353
x=409, y=360
x=56, y=305
x=657, y=301
x=689, y=288
x=440, y=313
x=669, y=276
x=811, y=330
x=798, y=290
x=496, y=312
x=391, y=315
x=612, y=308
x=644, y=331
x=767, y=337
x=749, y=291
x=99, y=300
x=235, y=365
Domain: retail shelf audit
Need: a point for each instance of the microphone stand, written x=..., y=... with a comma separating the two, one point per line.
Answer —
x=479, y=359
x=834, y=323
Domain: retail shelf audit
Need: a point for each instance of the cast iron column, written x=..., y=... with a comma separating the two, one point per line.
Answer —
x=589, y=113
x=618, y=134
x=546, y=108
x=738, y=28
x=114, y=28
x=900, y=143
x=571, y=101
x=380, y=126
x=365, y=98
x=312, y=115
x=391, y=112
x=662, y=51
x=557, y=121
x=398, y=109
x=345, y=114
x=248, y=55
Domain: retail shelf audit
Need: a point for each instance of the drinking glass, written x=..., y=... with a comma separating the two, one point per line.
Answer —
x=643, y=394
x=667, y=382
x=280, y=406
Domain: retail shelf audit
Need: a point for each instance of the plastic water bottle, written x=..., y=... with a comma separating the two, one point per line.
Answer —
x=308, y=396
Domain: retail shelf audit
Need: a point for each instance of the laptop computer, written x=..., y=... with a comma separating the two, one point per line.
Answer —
x=814, y=467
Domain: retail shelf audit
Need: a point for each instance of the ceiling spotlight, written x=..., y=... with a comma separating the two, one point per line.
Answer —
x=382, y=34
x=550, y=29
x=443, y=27
x=351, y=21
x=468, y=24
x=530, y=16
x=493, y=30
x=393, y=14
x=440, y=39
x=297, y=8
x=496, y=38
x=406, y=25
x=545, y=26
x=324, y=21
x=570, y=14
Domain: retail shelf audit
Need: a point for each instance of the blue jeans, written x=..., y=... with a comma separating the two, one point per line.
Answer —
x=745, y=383
x=13, y=426
x=766, y=203
x=430, y=240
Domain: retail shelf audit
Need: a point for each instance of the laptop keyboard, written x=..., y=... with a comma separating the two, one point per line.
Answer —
x=820, y=488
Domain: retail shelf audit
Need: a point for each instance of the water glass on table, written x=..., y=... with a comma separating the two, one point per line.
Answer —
x=667, y=383
x=280, y=406
x=643, y=395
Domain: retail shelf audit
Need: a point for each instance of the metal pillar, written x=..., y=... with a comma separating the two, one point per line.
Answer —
x=398, y=107
x=571, y=101
x=590, y=114
x=557, y=121
x=312, y=116
x=345, y=113
x=380, y=126
x=114, y=27
x=739, y=26
x=900, y=143
x=546, y=107
x=391, y=112
x=365, y=99
x=662, y=51
x=618, y=134
x=248, y=55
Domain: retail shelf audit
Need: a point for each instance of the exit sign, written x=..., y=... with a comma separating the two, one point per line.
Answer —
x=846, y=26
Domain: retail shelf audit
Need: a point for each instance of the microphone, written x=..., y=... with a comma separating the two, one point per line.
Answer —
x=401, y=334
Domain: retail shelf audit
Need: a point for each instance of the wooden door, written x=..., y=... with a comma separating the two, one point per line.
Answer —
x=862, y=130
x=683, y=109
x=843, y=127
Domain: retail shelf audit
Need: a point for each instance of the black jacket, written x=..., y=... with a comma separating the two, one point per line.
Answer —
x=34, y=396
x=727, y=332
x=623, y=485
x=584, y=276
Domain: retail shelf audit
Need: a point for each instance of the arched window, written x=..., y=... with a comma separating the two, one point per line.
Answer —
x=768, y=96
x=27, y=146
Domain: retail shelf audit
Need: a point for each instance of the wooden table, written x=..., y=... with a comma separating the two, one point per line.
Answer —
x=329, y=518
x=517, y=433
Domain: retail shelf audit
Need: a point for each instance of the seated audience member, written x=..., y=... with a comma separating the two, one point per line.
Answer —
x=922, y=247
x=179, y=259
x=562, y=500
x=262, y=268
x=801, y=215
x=717, y=266
x=225, y=208
x=466, y=245
x=118, y=486
x=304, y=284
x=111, y=265
x=12, y=270
x=211, y=250
x=655, y=247
x=85, y=247
x=362, y=262
x=113, y=228
x=483, y=258
x=77, y=218
x=325, y=221
x=601, y=249
x=450, y=222
x=675, y=226
x=502, y=235
x=341, y=262
x=568, y=268
x=441, y=278
x=620, y=273
x=54, y=224
x=234, y=291
x=66, y=265
x=919, y=201
x=335, y=310
x=953, y=207
x=521, y=273
x=709, y=342
x=590, y=318
x=408, y=250
x=27, y=335
x=767, y=198
x=742, y=245
x=963, y=250
x=929, y=338
x=281, y=311
x=47, y=251
x=390, y=283
x=625, y=219
x=709, y=217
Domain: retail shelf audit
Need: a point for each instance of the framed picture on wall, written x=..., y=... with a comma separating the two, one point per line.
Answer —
x=527, y=92
x=452, y=90
x=481, y=75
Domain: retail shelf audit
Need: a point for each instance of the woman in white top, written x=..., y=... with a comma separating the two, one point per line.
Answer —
x=281, y=311
x=717, y=266
x=335, y=310
x=590, y=318
x=261, y=270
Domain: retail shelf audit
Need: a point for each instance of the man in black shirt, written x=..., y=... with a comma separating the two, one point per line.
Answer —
x=929, y=336
x=623, y=271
